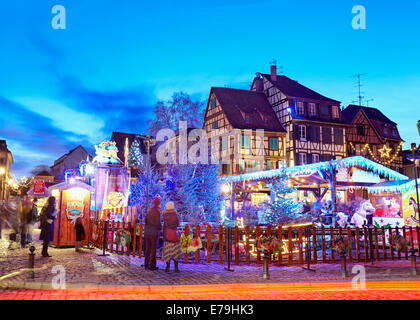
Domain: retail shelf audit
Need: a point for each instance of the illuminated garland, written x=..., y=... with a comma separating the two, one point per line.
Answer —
x=368, y=148
x=308, y=169
x=394, y=187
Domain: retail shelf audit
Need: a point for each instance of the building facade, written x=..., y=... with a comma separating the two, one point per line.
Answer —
x=373, y=136
x=69, y=161
x=316, y=128
x=243, y=131
x=6, y=160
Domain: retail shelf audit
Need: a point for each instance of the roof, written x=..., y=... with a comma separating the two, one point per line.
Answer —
x=377, y=119
x=119, y=139
x=43, y=173
x=236, y=103
x=393, y=186
x=293, y=88
x=67, y=154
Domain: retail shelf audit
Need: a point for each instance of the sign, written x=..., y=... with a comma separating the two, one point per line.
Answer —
x=75, y=203
x=410, y=207
x=39, y=187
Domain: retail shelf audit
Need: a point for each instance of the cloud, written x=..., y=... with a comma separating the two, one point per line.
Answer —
x=33, y=138
x=121, y=110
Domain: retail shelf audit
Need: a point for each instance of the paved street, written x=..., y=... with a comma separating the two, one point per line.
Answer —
x=90, y=276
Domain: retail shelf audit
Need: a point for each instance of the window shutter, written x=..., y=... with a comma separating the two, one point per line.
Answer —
x=296, y=131
x=326, y=135
x=316, y=134
x=338, y=136
x=309, y=158
x=297, y=159
x=310, y=133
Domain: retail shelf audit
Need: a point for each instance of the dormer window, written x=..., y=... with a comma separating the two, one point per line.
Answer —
x=300, y=108
x=394, y=132
x=335, y=112
x=385, y=130
x=312, y=109
x=247, y=118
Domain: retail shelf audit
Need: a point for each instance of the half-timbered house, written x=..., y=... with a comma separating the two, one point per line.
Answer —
x=316, y=129
x=373, y=136
x=261, y=141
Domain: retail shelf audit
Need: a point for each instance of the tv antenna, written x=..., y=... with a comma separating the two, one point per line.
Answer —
x=367, y=102
x=359, y=85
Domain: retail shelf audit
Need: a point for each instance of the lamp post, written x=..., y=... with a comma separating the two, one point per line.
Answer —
x=413, y=150
x=148, y=140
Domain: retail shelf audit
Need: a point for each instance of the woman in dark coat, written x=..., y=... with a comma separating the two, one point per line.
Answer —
x=47, y=226
x=171, y=245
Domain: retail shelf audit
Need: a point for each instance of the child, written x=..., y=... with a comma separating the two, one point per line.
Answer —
x=80, y=233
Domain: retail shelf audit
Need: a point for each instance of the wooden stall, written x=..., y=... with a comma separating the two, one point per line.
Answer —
x=73, y=200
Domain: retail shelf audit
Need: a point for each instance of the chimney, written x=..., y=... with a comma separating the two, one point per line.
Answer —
x=259, y=85
x=273, y=70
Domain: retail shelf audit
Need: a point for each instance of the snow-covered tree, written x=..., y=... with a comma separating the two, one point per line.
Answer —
x=138, y=191
x=180, y=108
x=284, y=208
x=195, y=191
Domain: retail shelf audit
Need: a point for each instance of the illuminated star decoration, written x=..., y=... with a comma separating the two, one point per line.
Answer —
x=384, y=151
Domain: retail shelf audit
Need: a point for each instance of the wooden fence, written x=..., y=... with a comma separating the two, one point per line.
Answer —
x=300, y=243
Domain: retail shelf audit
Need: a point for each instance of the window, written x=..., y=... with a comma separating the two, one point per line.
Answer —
x=242, y=165
x=324, y=110
x=312, y=109
x=225, y=168
x=360, y=130
x=394, y=132
x=213, y=103
x=269, y=165
x=302, y=132
x=214, y=125
x=302, y=158
x=335, y=113
x=247, y=119
x=245, y=142
x=274, y=143
x=338, y=136
x=326, y=135
x=385, y=130
x=315, y=158
x=300, y=108
x=224, y=143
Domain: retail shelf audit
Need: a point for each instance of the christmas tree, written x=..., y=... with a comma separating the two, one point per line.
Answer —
x=284, y=208
x=135, y=157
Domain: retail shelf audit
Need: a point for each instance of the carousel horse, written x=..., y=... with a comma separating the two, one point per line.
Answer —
x=412, y=202
x=359, y=218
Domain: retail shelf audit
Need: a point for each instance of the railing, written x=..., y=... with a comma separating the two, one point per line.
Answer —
x=300, y=243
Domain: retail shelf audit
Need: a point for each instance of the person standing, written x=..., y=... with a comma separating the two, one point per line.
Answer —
x=171, y=244
x=25, y=210
x=80, y=233
x=31, y=219
x=152, y=228
x=47, y=225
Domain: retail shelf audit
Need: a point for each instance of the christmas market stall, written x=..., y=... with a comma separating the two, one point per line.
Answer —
x=110, y=179
x=72, y=201
x=339, y=180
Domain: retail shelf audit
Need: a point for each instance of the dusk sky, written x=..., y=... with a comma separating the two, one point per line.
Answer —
x=115, y=59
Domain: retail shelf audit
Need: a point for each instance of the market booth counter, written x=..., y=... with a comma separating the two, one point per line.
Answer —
x=73, y=200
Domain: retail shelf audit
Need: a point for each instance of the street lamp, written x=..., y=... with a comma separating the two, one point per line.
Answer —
x=413, y=150
x=149, y=141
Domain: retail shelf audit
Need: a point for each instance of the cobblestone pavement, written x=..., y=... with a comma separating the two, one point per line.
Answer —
x=117, y=273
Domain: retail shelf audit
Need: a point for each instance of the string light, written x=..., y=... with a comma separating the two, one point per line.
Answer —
x=383, y=153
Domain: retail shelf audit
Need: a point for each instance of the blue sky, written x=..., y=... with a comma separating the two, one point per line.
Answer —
x=115, y=59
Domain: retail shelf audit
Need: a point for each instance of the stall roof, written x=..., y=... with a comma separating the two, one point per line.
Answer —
x=308, y=169
x=393, y=186
x=68, y=185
